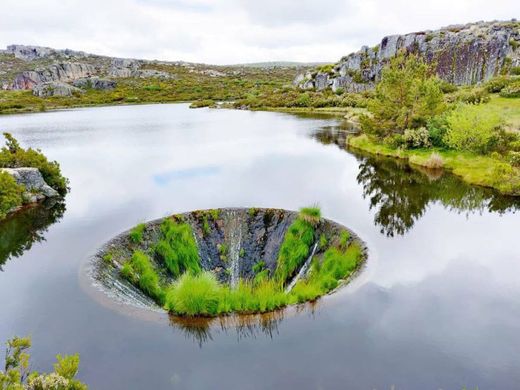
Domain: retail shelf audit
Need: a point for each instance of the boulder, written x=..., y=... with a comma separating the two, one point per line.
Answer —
x=64, y=72
x=55, y=88
x=94, y=83
x=35, y=186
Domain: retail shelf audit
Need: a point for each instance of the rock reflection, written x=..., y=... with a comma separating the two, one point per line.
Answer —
x=18, y=232
x=400, y=194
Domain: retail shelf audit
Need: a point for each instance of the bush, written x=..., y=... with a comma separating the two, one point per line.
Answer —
x=10, y=194
x=497, y=84
x=417, y=138
x=472, y=128
x=512, y=90
x=514, y=158
x=437, y=128
x=472, y=96
x=14, y=156
x=17, y=375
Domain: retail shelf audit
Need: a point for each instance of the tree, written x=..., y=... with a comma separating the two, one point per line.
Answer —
x=408, y=95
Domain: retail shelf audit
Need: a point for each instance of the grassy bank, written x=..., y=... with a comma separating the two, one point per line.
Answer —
x=472, y=168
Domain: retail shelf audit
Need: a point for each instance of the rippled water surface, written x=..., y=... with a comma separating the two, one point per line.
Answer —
x=437, y=306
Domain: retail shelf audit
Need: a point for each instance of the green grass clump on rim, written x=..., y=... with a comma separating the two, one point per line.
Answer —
x=136, y=234
x=140, y=271
x=178, y=248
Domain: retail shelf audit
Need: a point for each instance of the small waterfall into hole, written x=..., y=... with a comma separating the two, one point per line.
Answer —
x=234, y=229
x=303, y=269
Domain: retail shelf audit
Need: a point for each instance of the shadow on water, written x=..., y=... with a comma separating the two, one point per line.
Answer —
x=20, y=231
x=400, y=194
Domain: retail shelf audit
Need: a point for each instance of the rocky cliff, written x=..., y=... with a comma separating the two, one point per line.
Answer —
x=461, y=54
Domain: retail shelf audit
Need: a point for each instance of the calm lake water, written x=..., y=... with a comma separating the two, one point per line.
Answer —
x=437, y=306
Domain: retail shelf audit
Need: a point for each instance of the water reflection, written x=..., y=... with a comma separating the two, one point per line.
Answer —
x=19, y=231
x=201, y=330
x=400, y=194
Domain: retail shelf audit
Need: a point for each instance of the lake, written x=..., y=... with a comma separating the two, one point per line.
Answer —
x=436, y=307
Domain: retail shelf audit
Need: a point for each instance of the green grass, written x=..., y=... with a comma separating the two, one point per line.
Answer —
x=140, y=271
x=311, y=215
x=325, y=276
x=295, y=246
x=178, y=248
x=508, y=108
x=136, y=234
x=472, y=168
x=203, y=295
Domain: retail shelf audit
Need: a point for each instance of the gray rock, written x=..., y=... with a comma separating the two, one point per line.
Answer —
x=94, y=83
x=33, y=181
x=55, y=88
x=30, y=53
x=64, y=72
x=462, y=55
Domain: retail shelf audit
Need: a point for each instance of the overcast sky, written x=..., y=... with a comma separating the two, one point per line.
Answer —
x=231, y=31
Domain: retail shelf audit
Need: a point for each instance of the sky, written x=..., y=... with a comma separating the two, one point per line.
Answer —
x=232, y=31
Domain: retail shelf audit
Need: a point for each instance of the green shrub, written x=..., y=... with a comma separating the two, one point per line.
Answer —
x=472, y=128
x=417, y=138
x=10, y=194
x=512, y=90
x=17, y=375
x=514, y=158
x=202, y=103
x=437, y=128
x=177, y=248
x=136, y=234
x=497, y=84
x=472, y=96
x=14, y=156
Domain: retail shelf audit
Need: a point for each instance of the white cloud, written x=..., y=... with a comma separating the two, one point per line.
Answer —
x=231, y=31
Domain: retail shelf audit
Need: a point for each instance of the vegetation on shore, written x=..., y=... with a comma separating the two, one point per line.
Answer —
x=171, y=274
x=236, y=83
x=472, y=131
x=18, y=376
x=12, y=155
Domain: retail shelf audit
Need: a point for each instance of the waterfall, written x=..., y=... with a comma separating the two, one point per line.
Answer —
x=234, y=230
x=303, y=269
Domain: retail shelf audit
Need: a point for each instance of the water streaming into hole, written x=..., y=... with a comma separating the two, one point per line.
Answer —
x=303, y=269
